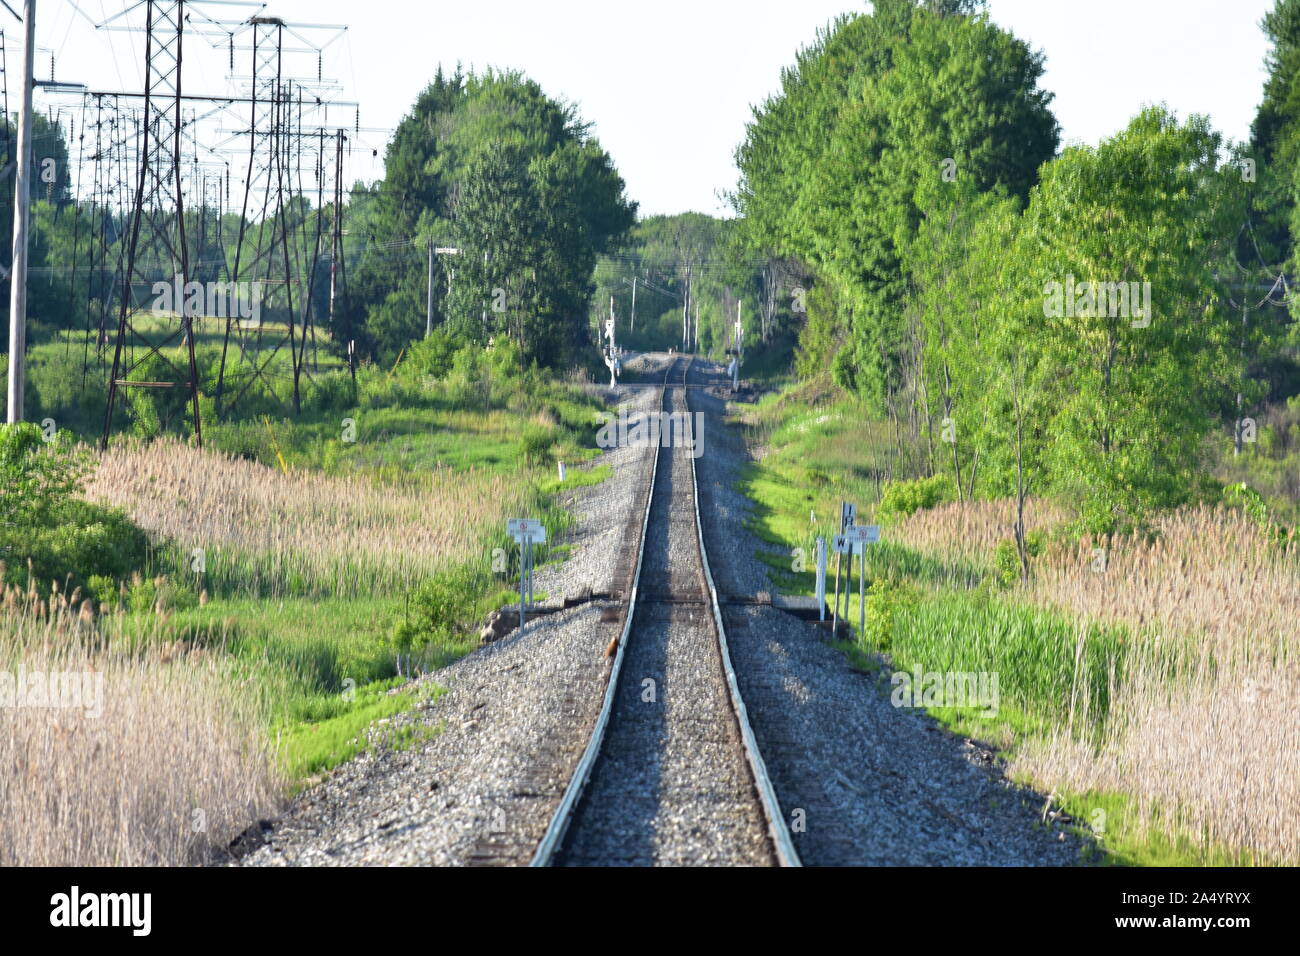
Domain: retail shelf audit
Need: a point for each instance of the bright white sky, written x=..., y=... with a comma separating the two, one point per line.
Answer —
x=669, y=85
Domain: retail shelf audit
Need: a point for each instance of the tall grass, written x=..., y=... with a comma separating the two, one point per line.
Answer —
x=267, y=533
x=1212, y=760
x=174, y=764
x=1199, y=722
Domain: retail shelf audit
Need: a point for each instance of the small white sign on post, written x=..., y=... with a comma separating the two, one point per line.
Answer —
x=528, y=532
x=857, y=538
x=526, y=528
x=863, y=534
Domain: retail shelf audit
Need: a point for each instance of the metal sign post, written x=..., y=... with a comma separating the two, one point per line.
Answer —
x=611, y=350
x=526, y=531
x=857, y=538
x=840, y=544
x=821, y=578
x=848, y=518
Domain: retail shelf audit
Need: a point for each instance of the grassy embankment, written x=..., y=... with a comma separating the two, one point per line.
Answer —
x=315, y=560
x=1154, y=698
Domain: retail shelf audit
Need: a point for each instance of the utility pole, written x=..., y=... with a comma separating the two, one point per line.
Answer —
x=428, y=301
x=1236, y=438
x=437, y=251
x=632, y=326
x=18, y=274
x=686, y=314
x=735, y=366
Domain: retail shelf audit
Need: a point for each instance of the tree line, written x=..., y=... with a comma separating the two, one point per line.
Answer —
x=1036, y=320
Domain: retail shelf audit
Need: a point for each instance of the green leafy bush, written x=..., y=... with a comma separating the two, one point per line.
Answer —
x=1248, y=500
x=432, y=356
x=87, y=540
x=1006, y=563
x=44, y=527
x=902, y=498
x=331, y=392
x=440, y=611
x=886, y=602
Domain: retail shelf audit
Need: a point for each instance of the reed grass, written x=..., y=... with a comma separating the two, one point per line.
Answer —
x=1198, y=722
x=174, y=764
x=270, y=534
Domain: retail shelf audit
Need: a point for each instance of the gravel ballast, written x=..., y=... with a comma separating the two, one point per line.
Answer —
x=871, y=784
x=507, y=733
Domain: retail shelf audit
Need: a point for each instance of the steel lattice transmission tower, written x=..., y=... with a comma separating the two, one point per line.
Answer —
x=157, y=229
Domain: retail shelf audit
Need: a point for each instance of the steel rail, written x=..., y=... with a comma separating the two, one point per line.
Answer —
x=778, y=831
x=563, y=816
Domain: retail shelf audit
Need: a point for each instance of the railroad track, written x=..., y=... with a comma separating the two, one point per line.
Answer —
x=672, y=773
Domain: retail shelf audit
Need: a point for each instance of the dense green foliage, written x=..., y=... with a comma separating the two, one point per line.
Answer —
x=879, y=108
x=47, y=533
x=492, y=166
x=1022, y=319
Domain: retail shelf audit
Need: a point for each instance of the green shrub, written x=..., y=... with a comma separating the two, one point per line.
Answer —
x=902, y=498
x=87, y=540
x=44, y=527
x=1006, y=563
x=439, y=611
x=1248, y=500
x=431, y=356
x=886, y=603
x=331, y=392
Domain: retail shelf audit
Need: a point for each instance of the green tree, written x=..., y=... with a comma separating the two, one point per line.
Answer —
x=882, y=105
x=513, y=178
x=1149, y=209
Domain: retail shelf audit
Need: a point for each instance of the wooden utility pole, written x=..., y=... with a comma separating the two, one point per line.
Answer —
x=632, y=326
x=1236, y=438
x=22, y=200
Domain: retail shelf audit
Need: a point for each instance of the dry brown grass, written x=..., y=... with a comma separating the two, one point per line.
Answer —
x=971, y=530
x=341, y=535
x=1216, y=746
x=1210, y=573
x=175, y=762
x=1215, y=758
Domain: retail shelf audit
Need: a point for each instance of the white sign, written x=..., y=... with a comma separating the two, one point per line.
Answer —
x=530, y=528
x=863, y=534
x=848, y=515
